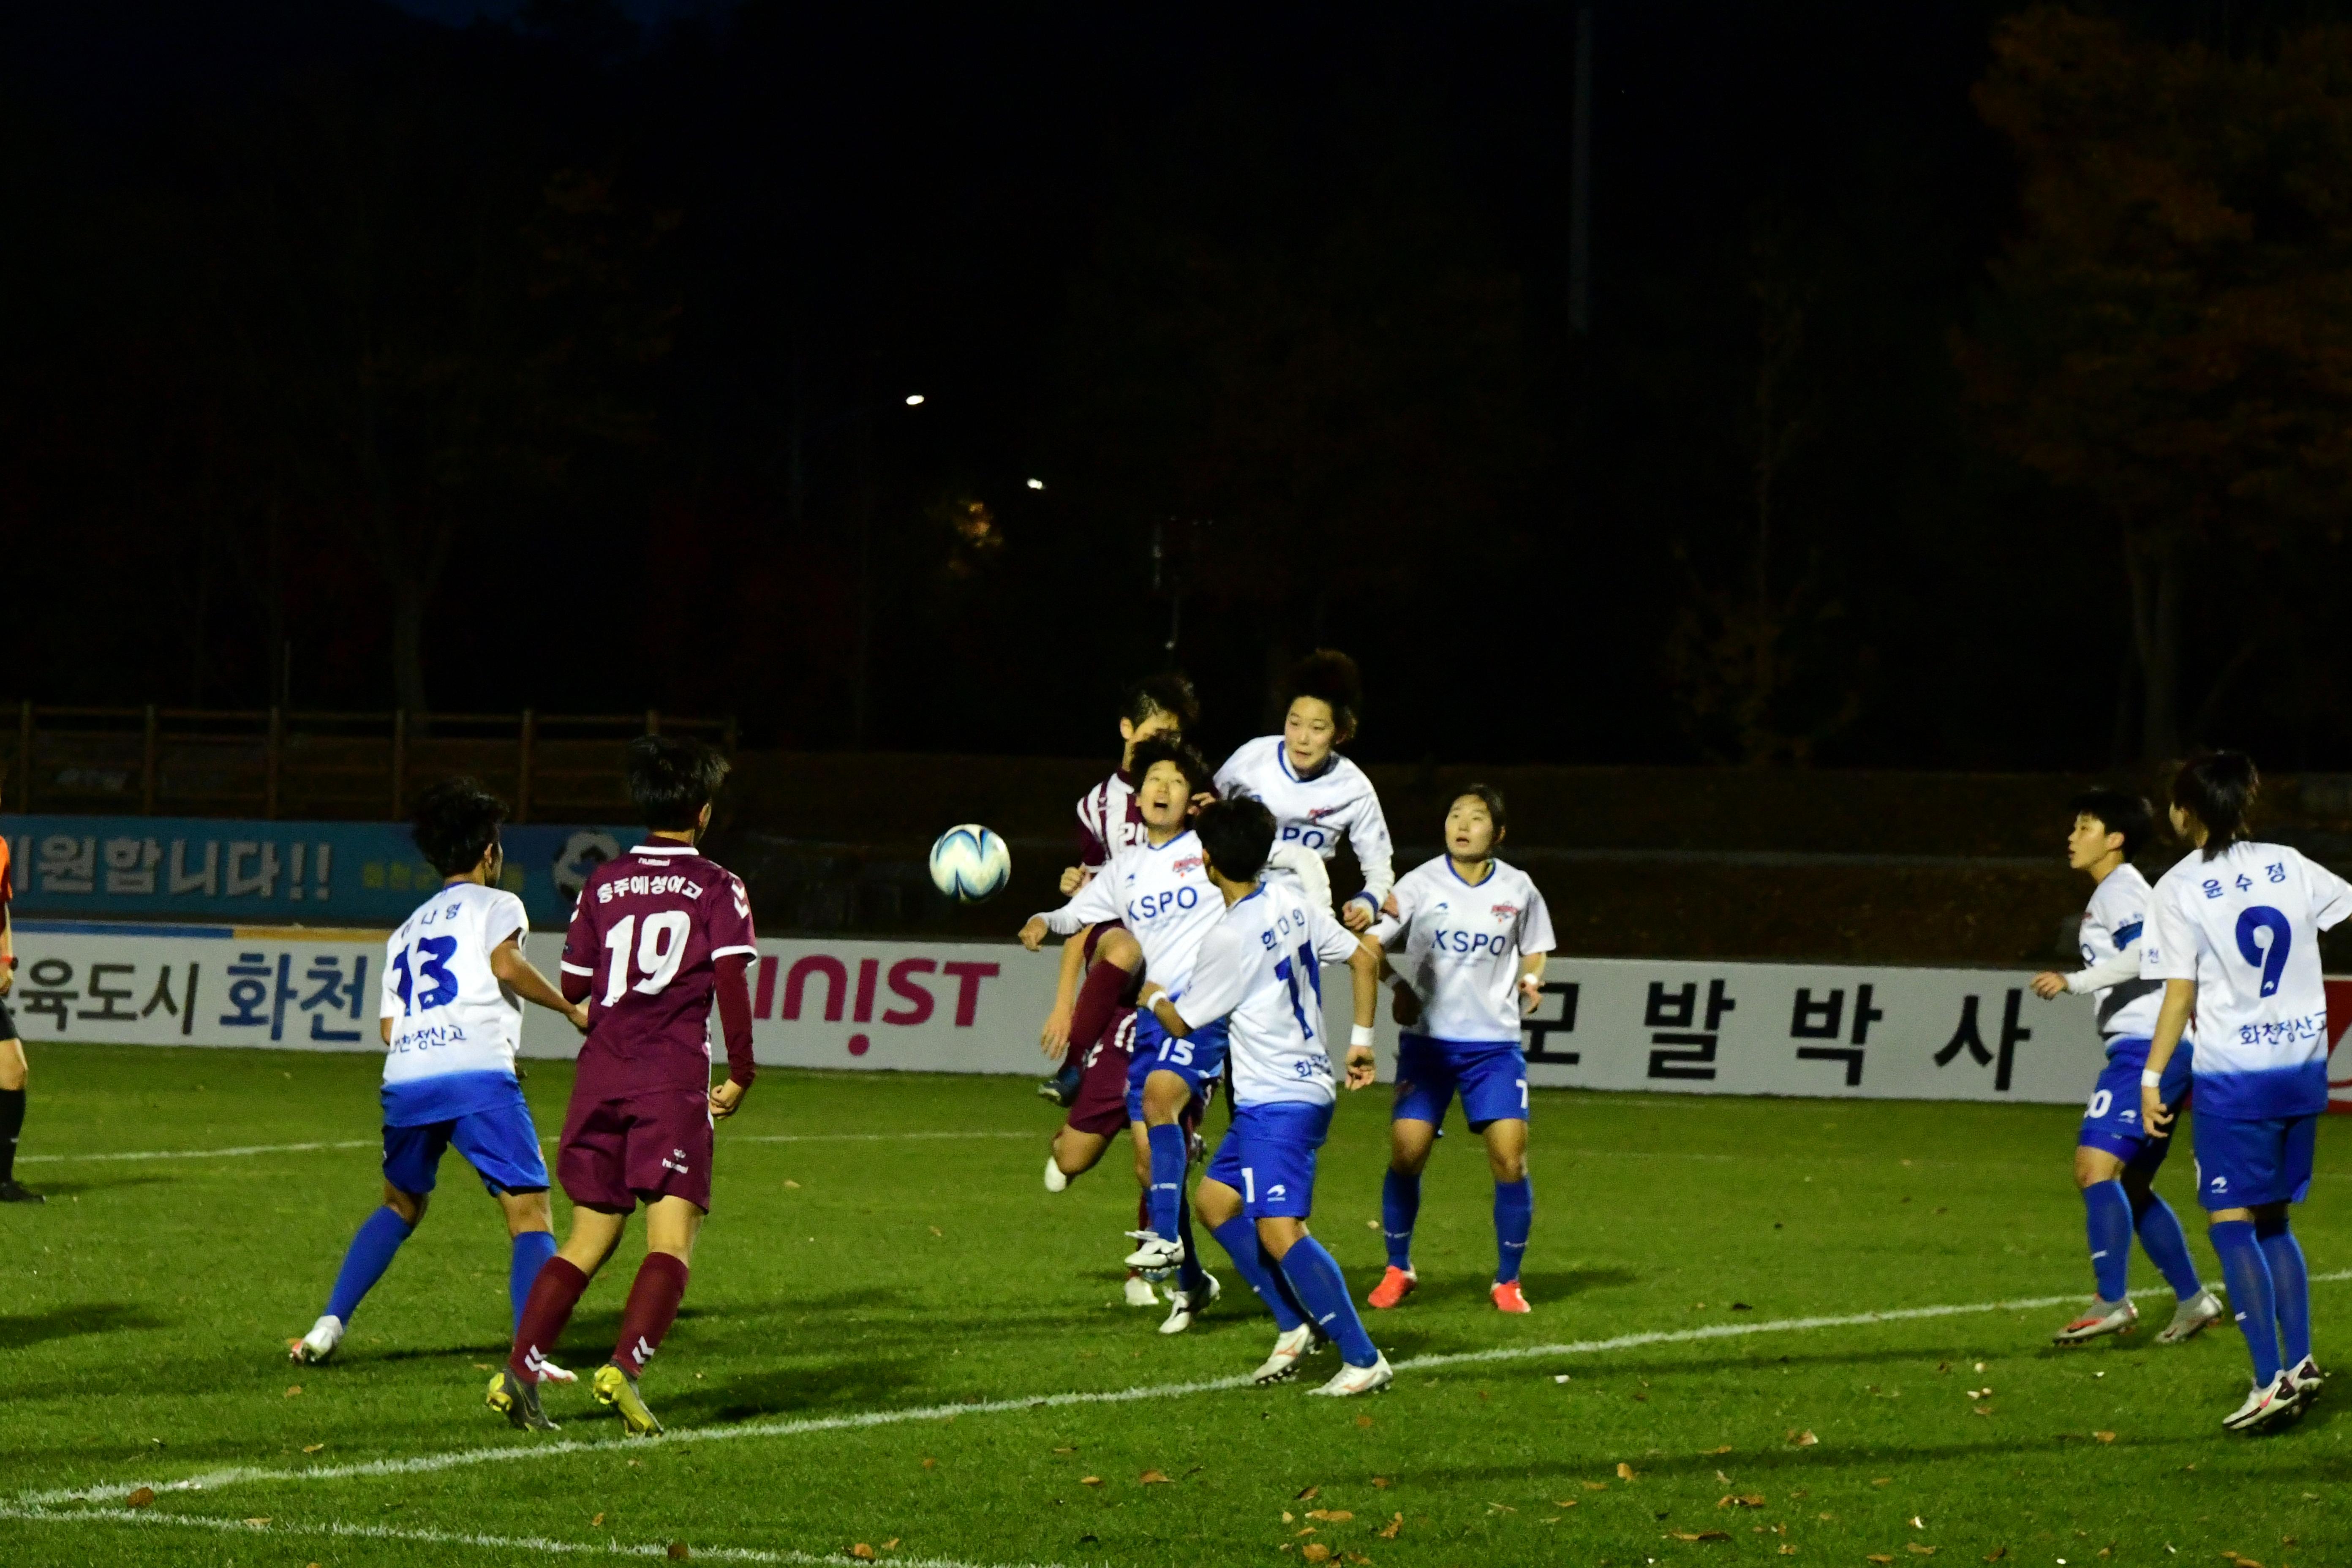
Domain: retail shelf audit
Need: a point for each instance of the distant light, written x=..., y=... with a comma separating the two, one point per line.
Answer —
x=1036, y=484
x=914, y=400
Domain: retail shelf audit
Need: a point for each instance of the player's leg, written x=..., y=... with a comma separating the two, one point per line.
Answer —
x=1515, y=1206
x=590, y=1163
x=1098, y=1110
x=1195, y=1288
x=412, y=1160
x=15, y=1073
x=1219, y=1204
x=502, y=1142
x=2108, y=1227
x=672, y=1224
x=1277, y=1167
x=1424, y=1088
x=2290, y=1278
x=2237, y=1163
x=1166, y=1091
x=1112, y=958
x=1139, y=1291
x=2195, y=1308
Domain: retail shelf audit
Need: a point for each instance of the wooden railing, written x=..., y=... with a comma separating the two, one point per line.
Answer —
x=274, y=762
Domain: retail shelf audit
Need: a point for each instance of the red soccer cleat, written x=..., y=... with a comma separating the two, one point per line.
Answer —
x=1394, y=1287
x=1508, y=1299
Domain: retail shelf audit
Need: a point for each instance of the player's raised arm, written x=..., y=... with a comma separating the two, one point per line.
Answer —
x=1094, y=903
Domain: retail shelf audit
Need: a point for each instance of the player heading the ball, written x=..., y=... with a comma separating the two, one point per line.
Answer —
x=2236, y=942
x=659, y=937
x=1317, y=797
x=1259, y=974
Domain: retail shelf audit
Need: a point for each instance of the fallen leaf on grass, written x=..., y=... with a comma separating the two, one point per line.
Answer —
x=1564, y=1502
x=1882, y=1480
x=1881, y=1559
x=1381, y=1483
x=937, y=1231
x=312, y=1447
x=1316, y=1552
x=889, y=1543
x=1360, y=1558
x=1788, y=1551
x=1501, y=1507
x=862, y=1551
x=259, y=1521
x=1308, y=1530
x=1997, y=1554
x=1698, y=1535
x=2105, y=1437
x=484, y=1366
x=1304, y=1496
x=1625, y=1472
x=1979, y=1409
x=1363, y=1420
x=1371, y=1225
x=1917, y=1550
x=293, y=1390
x=1287, y=1517
x=1389, y=1530
x=1067, y=1450
x=1919, y=1523
x=790, y=1183
x=677, y=1551
x=1752, y=1499
x=1089, y=1481
x=1153, y=1478
x=1725, y=1448
x=931, y=1464
x=1596, y=1486
x=1801, y=1439
x=1330, y=1515
x=141, y=1497
x=598, y=1519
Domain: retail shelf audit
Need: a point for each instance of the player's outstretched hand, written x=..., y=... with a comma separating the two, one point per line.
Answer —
x=578, y=1014
x=1073, y=879
x=1054, y=1039
x=2049, y=983
x=1033, y=934
x=1361, y=1068
x=2152, y=1112
x=725, y=1099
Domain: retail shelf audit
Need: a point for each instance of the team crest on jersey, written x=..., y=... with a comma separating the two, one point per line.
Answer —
x=1505, y=911
x=1189, y=863
x=1320, y=812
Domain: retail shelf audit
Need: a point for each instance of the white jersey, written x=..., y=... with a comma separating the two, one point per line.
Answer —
x=1461, y=946
x=2245, y=926
x=1163, y=894
x=449, y=1013
x=2112, y=925
x=1108, y=821
x=1261, y=969
x=1338, y=802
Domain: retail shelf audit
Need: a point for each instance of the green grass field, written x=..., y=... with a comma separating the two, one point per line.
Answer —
x=888, y=1251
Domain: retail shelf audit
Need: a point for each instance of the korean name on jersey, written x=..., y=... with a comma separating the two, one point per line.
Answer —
x=2114, y=918
x=1260, y=967
x=449, y=1013
x=1459, y=945
x=1164, y=894
x=2244, y=926
x=1316, y=813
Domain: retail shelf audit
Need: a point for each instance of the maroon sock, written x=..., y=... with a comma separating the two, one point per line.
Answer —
x=545, y=1311
x=653, y=1307
x=1098, y=1000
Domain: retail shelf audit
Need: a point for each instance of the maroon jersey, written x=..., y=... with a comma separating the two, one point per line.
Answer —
x=649, y=937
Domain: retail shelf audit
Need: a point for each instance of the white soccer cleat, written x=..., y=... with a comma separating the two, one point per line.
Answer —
x=1139, y=1292
x=1183, y=1306
x=319, y=1343
x=2268, y=1403
x=1290, y=1347
x=2304, y=1375
x=2191, y=1318
x=1153, y=1252
x=551, y=1373
x=1055, y=1180
x=2101, y=1317
x=1358, y=1380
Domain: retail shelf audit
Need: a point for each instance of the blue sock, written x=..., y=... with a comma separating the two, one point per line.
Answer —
x=1322, y=1289
x=1514, y=1216
x=2252, y=1295
x=532, y=1249
x=1399, y=1206
x=1168, y=1163
x=1189, y=1274
x=2107, y=1209
x=2161, y=1237
x=1238, y=1237
x=370, y=1255
x=2290, y=1286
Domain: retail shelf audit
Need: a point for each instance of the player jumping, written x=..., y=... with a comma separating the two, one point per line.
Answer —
x=455, y=980
x=1318, y=797
x=1467, y=939
x=2236, y=942
x=658, y=936
x=2114, y=1159
x=1258, y=980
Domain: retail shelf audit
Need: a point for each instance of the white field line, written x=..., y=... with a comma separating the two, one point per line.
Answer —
x=252, y=1149
x=462, y=1458
x=337, y=1529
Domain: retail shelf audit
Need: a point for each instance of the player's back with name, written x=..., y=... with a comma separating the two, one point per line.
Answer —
x=648, y=933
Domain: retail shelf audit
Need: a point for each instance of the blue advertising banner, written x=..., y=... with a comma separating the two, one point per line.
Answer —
x=275, y=873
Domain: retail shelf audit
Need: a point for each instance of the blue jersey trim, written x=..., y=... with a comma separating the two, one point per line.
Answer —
x=2300, y=1090
x=2126, y=935
x=1281, y=759
x=1466, y=881
x=445, y=1096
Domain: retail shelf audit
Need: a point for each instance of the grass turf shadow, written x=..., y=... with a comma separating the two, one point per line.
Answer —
x=20, y=1330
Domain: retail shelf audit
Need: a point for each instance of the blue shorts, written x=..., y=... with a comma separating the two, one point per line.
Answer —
x=1199, y=1059
x=2111, y=1120
x=1490, y=1076
x=499, y=1142
x=2242, y=1163
x=1268, y=1157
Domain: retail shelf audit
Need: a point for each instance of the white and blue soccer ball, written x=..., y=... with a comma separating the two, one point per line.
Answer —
x=971, y=863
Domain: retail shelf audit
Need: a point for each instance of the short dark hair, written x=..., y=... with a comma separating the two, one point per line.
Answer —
x=1237, y=834
x=2120, y=810
x=454, y=822
x=1170, y=692
x=1199, y=777
x=2217, y=788
x=1489, y=796
x=671, y=779
x=1330, y=677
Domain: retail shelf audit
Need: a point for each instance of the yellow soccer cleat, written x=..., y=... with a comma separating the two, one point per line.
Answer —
x=618, y=1389
x=518, y=1401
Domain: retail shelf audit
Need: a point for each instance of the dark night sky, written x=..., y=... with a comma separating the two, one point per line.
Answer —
x=326, y=304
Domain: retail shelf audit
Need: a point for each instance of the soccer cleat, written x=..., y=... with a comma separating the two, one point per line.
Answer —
x=1394, y=1287
x=2307, y=1381
x=1183, y=1306
x=1290, y=1347
x=319, y=1343
x=551, y=1373
x=1139, y=1292
x=1154, y=1252
x=12, y=1190
x=2269, y=1404
x=618, y=1389
x=1055, y=1180
x=2102, y=1317
x=2190, y=1317
x=518, y=1401
x=1052, y=1089
x=1509, y=1298
x=1358, y=1380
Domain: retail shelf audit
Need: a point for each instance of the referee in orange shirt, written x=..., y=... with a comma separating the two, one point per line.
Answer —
x=12, y=1054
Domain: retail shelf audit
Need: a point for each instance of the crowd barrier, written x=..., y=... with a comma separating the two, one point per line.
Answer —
x=1606, y=1024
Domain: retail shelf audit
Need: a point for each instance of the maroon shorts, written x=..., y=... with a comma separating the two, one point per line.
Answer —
x=1101, y=1105
x=650, y=1145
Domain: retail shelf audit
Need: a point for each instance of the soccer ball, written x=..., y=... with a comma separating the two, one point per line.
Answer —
x=969, y=863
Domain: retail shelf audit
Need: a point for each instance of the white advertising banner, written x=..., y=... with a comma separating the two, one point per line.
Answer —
x=946, y=1006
